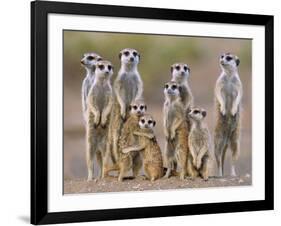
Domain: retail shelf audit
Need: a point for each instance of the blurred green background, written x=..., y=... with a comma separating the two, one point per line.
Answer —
x=158, y=53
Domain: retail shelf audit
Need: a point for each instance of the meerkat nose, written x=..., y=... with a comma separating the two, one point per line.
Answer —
x=132, y=59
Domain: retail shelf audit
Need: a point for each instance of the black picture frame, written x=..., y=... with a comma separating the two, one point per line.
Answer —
x=39, y=112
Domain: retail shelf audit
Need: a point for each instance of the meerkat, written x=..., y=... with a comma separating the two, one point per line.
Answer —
x=180, y=73
x=128, y=86
x=88, y=61
x=100, y=101
x=127, y=138
x=152, y=157
x=228, y=95
x=199, y=144
x=175, y=129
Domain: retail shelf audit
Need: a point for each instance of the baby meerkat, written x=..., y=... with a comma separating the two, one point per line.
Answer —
x=128, y=87
x=175, y=129
x=180, y=74
x=152, y=157
x=199, y=144
x=131, y=160
x=228, y=95
x=100, y=101
x=88, y=61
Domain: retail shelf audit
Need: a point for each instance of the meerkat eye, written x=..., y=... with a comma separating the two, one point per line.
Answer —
x=178, y=67
x=142, y=121
x=166, y=86
x=150, y=121
x=99, y=59
x=135, y=54
x=101, y=67
x=174, y=87
x=90, y=58
x=135, y=107
x=142, y=107
x=228, y=58
x=109, y=67
x=185, y=68
x=196, y=112
x=126, y=53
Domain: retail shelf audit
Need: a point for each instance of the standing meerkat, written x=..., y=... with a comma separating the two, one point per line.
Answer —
x=180, y=74
x=100, y=101
x=128, y=86
x=88, y=61
x=127, y=138
x=228, y=94
x=199, y=144
x=175, y=129
x=152, y=157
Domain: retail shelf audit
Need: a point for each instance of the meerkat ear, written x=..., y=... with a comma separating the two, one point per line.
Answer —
x=237, y=61
x=154, y=123
x=204, y=113
x=171, y=69
x=139, y=56
x=145, y=107
x=130, y=108
x=120, y=54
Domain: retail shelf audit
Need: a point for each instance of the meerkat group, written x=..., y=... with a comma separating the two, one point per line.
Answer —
x=119, y=132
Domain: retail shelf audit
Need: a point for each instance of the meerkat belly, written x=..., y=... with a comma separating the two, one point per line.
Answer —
x=102, y=97
x=230, y=94
x=197, y=140
x=130, y=93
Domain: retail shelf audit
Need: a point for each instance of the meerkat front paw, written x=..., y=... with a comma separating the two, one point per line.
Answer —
x=123, y=113
x=222, y=109
x=103, y=122
x=234, y=110
x=198, y=163
x=97, y=120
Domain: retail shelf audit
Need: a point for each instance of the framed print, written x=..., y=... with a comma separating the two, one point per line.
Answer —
x=144, y=112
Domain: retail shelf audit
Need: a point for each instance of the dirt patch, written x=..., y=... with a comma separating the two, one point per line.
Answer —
x=111, y=184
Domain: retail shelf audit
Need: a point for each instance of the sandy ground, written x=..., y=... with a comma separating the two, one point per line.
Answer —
x=111, y=184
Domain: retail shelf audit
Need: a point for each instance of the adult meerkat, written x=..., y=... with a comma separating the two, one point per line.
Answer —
x=228, y=94
x=100, y=101
x=199, y=144
x=127, y=138
x=175, y=129
x=128, y=86
x=152, y=157
x=88, y=61
x=180, y=74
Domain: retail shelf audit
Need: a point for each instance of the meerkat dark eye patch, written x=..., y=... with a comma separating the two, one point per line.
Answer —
x=101, y=67
x=99, y=59
x=135, y=107
x=166, y=86
x=142, y=121
x=228, y=58
x=196, y=112
x=90, y=58
x=135, y=54
x=174, y=87
x=150, y=121
x=109, y=67
x=185, y=68
x=178, y=67
x=126, y=53
x=142, y=107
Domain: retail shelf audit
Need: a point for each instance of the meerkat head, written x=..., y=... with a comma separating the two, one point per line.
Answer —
x=180, y=72
x=104, y=69
x=137, y=107
x=129, y=56
x=229, y=62
x=89, y=60
x=147, y=122
x=197, y=114
x=172, y=90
